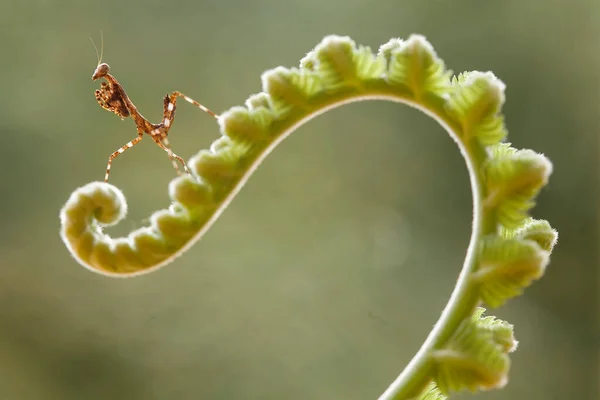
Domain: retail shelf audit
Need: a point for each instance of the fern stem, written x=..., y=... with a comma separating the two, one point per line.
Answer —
x=463, y=301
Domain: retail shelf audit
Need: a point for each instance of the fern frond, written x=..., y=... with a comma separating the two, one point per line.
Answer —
x=475, y=358
x=247, y=125
x=537, y=230
x=508, y=249
x=475, y=102
x=513, y=178
x=336, y=65
x=506, y=267
x=290, y=88
x=502, y=332
x=414, y=66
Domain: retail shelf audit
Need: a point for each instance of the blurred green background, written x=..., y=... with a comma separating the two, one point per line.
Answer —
x=326, y=273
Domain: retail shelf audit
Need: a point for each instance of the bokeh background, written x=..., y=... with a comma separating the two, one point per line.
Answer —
x=326, y=273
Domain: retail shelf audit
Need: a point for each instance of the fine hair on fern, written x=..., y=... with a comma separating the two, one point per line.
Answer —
x=508, y=250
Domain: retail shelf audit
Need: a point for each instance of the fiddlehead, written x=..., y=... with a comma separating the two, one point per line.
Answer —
x=508, y=250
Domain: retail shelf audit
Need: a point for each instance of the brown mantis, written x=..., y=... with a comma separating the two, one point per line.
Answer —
x=112, y=97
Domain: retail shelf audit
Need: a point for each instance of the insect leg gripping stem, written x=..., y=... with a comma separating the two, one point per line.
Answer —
x=508, y=249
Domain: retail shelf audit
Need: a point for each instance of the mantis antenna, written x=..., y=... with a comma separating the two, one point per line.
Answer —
x=99, y=56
